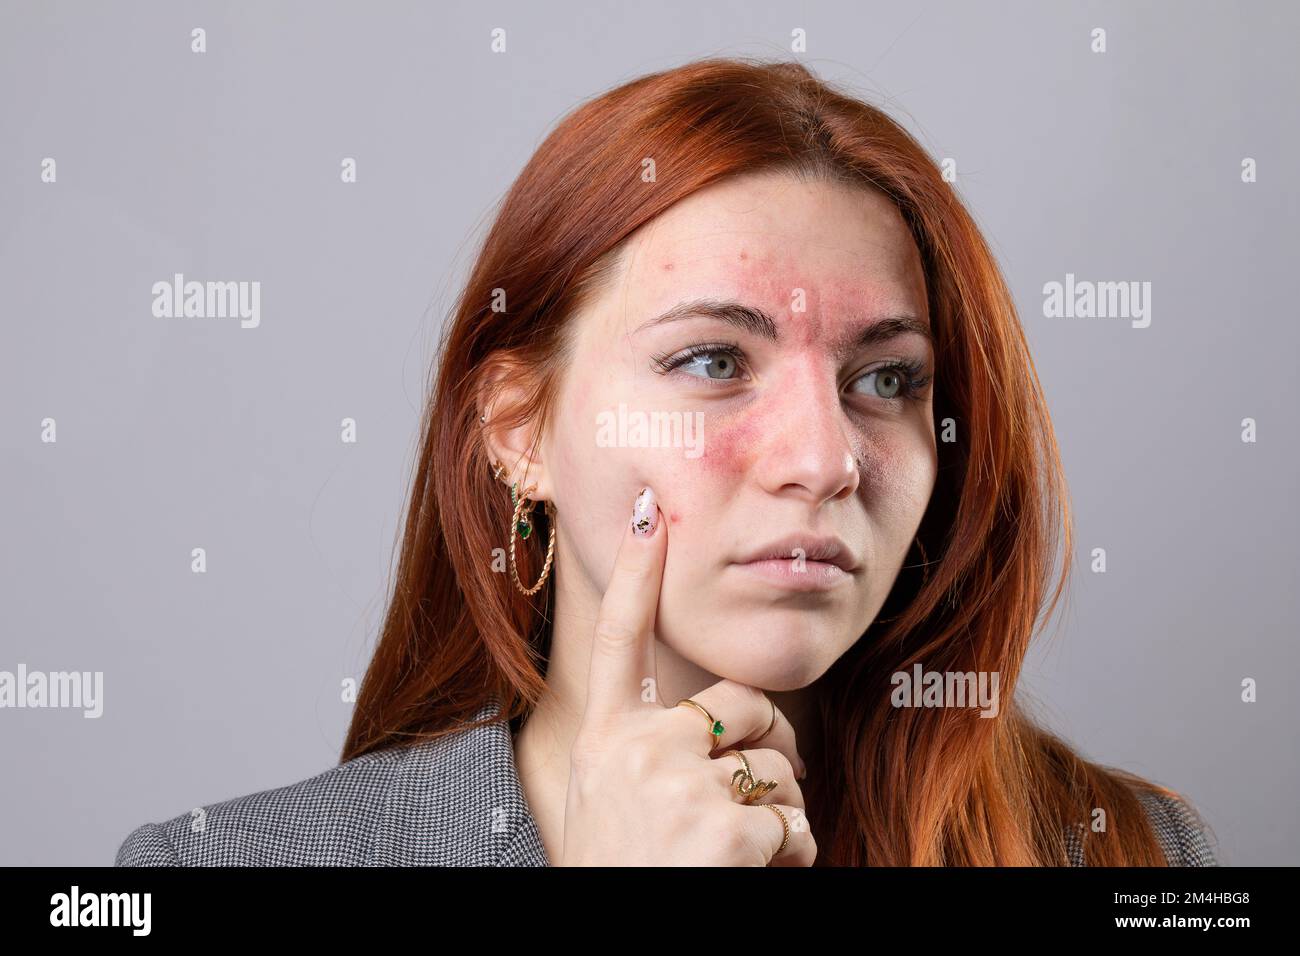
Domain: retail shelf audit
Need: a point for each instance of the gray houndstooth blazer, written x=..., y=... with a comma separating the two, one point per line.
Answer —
x=456, y=801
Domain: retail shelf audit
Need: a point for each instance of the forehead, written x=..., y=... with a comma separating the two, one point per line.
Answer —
x=770, y=240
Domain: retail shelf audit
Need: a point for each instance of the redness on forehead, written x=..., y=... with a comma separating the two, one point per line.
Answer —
x=799, y=304
x=804, y=328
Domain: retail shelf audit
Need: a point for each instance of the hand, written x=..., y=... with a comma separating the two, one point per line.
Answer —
x=644, y=789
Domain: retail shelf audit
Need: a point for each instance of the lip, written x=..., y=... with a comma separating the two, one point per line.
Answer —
x=780, y=572
x=813, y=549
x=824, y=563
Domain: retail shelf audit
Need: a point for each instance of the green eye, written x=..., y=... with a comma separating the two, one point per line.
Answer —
x=896, y=380
x=892, y=383
x=720, y=362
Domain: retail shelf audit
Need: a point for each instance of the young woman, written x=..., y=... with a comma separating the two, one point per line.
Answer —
x=801, y=506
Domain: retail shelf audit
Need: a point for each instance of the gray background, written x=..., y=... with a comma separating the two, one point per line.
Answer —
x=182, y=433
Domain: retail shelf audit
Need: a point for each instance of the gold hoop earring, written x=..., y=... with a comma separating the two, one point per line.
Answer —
x=519, y=523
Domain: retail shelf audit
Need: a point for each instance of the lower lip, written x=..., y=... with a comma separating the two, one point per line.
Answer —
x=813, y=576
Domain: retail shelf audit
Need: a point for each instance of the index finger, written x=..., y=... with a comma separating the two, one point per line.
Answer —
x=622, y=646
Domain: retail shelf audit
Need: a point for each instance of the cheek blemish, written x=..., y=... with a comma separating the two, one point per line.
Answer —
x=674, y=517
x=726, y=449
x=668, y=267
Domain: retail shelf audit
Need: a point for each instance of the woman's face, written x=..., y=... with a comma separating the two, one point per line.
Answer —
x=786, y=428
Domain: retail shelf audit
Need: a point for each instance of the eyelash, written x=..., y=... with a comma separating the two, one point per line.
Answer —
x=913, y=381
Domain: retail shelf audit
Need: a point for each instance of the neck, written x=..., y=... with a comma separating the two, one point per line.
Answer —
x=545, y=740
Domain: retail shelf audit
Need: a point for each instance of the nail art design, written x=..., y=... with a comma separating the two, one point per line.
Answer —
x=645, y=513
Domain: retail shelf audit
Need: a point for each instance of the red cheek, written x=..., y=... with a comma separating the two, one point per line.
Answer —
x=726, y=449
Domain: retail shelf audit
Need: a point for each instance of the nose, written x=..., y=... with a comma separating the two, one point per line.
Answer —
x=807, y=451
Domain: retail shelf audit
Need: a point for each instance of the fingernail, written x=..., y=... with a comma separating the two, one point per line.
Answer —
x=645, y=513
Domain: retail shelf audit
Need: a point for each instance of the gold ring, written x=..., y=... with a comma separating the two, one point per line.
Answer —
x=771, y=725
x=715, y=726
x=744, y=782
x=785, y=826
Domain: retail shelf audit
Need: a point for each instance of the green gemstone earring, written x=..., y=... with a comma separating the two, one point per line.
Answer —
x=524, y=526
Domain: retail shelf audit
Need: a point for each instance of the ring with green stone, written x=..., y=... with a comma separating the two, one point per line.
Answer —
x=715, y=726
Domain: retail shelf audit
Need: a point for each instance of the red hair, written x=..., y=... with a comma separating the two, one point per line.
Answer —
x=914, y=786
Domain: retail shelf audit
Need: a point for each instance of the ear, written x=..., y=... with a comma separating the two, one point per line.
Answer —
x=508, y=398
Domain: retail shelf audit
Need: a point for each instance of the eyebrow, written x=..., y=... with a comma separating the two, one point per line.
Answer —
x=760, y=323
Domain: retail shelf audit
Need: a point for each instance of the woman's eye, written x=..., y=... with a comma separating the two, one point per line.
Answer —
x=888, y=382
x=904, y=379
x=717, y=365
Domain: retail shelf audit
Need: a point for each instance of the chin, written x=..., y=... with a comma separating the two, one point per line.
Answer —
x=767, y=653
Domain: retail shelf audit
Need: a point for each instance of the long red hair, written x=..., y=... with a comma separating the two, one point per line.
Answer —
x=914, y=786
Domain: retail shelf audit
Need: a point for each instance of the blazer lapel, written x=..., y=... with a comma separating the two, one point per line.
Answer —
x=457, y=801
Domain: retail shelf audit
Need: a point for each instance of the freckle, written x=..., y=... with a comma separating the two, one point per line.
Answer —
x=743, y=254
x=668, y=267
